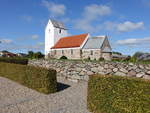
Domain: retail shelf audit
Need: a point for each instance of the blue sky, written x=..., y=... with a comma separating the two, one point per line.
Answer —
x=125, y=22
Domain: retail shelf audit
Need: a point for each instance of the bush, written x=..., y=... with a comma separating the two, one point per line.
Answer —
x=101, y=59
x=35, y=55
x=40, y=79
x=63, y=57
x=14, y=60
x=115, y=94
x=133, y=59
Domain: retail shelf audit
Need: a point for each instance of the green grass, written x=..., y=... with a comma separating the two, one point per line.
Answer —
x=40, y=79
x=115, y=94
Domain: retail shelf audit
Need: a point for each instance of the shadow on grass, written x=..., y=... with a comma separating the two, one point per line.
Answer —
x=61, y=86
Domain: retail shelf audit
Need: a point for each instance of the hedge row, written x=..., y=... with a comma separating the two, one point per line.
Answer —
x=115, y=94
x=40, y=79
x=14, y=60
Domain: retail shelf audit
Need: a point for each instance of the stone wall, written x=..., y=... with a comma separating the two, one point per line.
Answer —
x=79, y=70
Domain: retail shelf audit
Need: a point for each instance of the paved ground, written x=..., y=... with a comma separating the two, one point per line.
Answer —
x=15, y=98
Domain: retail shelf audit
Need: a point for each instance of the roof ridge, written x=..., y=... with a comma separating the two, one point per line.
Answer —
x=75, y=35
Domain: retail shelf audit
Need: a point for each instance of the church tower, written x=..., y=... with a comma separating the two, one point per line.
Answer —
x=53, y=32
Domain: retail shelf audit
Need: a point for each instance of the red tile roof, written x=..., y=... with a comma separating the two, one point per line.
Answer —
x=71, y=41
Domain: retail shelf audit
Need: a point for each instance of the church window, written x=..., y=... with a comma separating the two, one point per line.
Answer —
x=62, y=51
x=91, y=52
x=55, y=52
x=71, y=52
x=49, y=30
x=81, y=52
x=59, y=30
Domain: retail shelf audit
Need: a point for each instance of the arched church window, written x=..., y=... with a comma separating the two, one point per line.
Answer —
x=91, y=52
x=81, y=51
x=55, y=52
x=71, y=52
x=62, y=51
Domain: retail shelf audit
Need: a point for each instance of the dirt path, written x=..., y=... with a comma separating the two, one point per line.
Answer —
x=15, y=98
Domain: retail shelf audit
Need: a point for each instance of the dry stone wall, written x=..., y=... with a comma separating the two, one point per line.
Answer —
x=79, y=70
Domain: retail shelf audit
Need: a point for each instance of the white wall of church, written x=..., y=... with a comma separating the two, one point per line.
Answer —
x=59, y=33
x=52, y=35
x=49, y=37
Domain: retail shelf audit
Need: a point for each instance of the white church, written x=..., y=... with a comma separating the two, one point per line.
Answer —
x=82, y=46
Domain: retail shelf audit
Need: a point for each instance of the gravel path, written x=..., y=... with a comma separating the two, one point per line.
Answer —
x=15, y=98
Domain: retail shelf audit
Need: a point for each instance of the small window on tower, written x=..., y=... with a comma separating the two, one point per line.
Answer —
x=49, y=30
x=59, y=30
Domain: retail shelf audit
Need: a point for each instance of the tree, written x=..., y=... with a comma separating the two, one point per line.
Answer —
x=36, y=55
x=137, y=54
x=118, y=53
x=30, y=54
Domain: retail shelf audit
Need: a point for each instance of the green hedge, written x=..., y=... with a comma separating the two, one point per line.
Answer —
x=115, y=94
x=14, y=60
x=40, y=79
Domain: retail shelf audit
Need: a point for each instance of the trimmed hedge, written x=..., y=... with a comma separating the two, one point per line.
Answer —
x=14, y=60
x=115, y=94
x=40, y=79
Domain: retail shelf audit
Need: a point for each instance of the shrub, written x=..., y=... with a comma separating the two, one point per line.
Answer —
x=14, y=60
x=63, y=57
x=35, y=55
x=133, y=59
x=115, y=94
x=40, y=79
x=101, y=59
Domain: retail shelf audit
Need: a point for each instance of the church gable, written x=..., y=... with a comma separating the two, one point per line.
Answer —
x=106, y=46
x=94, y=42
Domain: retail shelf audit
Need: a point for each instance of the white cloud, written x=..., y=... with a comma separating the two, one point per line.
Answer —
x=40, y=44
x=29, y=37
x=90, y=14
x=135, y=41
x=109, y=25
x=5, y=41
x=20, y=47
x=27, y=18
x=35, y=36
x=123, y=27
x=54, y=9
x=129, y=26
x=93, y=11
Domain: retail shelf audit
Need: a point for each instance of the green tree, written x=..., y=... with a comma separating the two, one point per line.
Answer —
x=38, y=55
x=30, y=54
